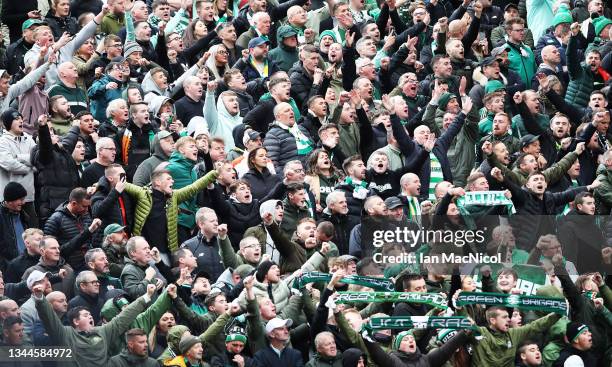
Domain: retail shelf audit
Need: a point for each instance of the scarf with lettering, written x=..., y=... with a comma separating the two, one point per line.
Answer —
x=431, y=299
x=370, y=282
x=420, y=322
x=533, y=303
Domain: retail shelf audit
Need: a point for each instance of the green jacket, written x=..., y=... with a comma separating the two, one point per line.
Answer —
x=282, y=55
x=230, y=258
x=581, y=77
x=352, y=336
x=181, y=170
x=126, y=359
x=259, y=232
x=88, y=349
x=498, y=36
x=525, y=66
x=293, y=256
x=556, y=342
x=144, y=202
x=603, y=194
x=319, y=361
x=552, y=174
x=292, y=216
x=499, y=349
x=112, y=24
x=76, y=97
x=518, y=125
x=173, y=337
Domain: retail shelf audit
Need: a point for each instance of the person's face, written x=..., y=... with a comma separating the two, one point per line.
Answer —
x=298, y=17
x=28, y=34
x=160, y=79
x=327, y=347
x=511, y=13
x=421, y=134
x=32, y=243
x=86, y=124
x=348, y=114
x=219, y=305
x=340, y=206
x=587, y=206
x=59, y=304
x=344, y=16
x=14, y=335
x=237, y=82
x=235, y=347
x=243, y=194
x=141, y=114
x=311, y=59
x=260, y=160
x=593, y=60
x=596, y=6
x=325, y=42
x=380, y=163
x=140, y=11
x=443, y=68
x=263, y=25
x=560, y=127
x=533, y=102
x=175, y=42
x=378, y=207
x=69, y=72
x=280, y=334
x=80, y=207
x=396, y=213
x=200, y=30
x=417, y=285
x=121, y=114
x=201, y=142
x=137, y=345
x=217, y=151
x=87, y=48
x=365, y=89
x=501, y=322
x=286, y=115
x=166, y=322
x=290, y=41
x=91, y=285
x=12, y=309
x=481, y=184
x=597, y=102
x=251, y=251
x=552, y=55
x=194, y=89
x=84, y=322
x=231, y=105
x=319, y=107
x=456, y=50
x=44, y=36
x=408, y=344
x=529, y=164
x=210, y=225
x=584, y=341
x=453, y=106
x=195, y=352
x=323, y=161
x=500, y=125
x=334, y=53
x=15, y=205
x=163, y=12
x=200, y=286
x=61, y=108
x=492, y=71
x=413, y=186
x=100, y=264
x=298, y=198
x=108, y=152
x=141, y=253
x=533, y=148
x=227, y=175
x=279, y=212
x=501, y=153
x=167, y=145
x=358, y=170
x=190, y=151
x=418, y=14
x=51, y=251
x=295, y=173
x=259, y=52
x=368, y=48
x=517, y=33
x=267, y=309
x=552, y=249
x=306, y=230
x=221, y=56
x=119, y=239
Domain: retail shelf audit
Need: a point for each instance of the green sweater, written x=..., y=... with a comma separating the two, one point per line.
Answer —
x=144, y=201
x=88, y=349
x=181, y=170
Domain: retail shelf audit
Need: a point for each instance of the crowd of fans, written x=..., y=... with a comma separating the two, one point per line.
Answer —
x=205, y=183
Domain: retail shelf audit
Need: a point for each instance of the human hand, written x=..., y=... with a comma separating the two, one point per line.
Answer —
x=150, y=273
x=325, y=248
x=517, y=97
x=575, y=28
x=151, y=288
x=497, y=174
x=112, y=85
x=222, y=228
x=580, y=147
x=467, y=105
x=211, y=86
x=239, y=360
x=171, y=290
x=95, y=224
x=487, y=148
x=155, y=255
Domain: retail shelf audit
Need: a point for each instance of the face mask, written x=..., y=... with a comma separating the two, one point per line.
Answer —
x=382, y=338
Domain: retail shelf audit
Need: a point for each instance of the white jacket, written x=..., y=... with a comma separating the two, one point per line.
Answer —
x=15, y=162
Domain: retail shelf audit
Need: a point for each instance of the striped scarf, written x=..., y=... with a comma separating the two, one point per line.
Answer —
x=436, y=175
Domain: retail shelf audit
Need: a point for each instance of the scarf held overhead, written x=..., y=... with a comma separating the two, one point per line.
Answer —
x=533, y=303
x=431, y=299
x=370, y=282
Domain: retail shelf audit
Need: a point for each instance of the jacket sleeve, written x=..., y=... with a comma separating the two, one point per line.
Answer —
x=519, y=196
x=177, y=85
x=26, y=83
x=13, y=163
x=148, y=319
x=54, y=327
x=97, y=89
x=272, y=145
x=349, y=70
x=576, y=301
x=188, y=191
x=121, y=323
x=84, y=34
x=573, y=61
x=193, y=320
x=66, y=249
x=202, y=44
x=558, y=170
x=533, y=328
x=228, y=255
x=133, y=285
x=380, y=357
x=439, y=356
x=71, y=138
x=101, y=205
x=210, y=112
x=446, y=139
x=575, y=114
x=568, y=195
x=255, y=331
x=45, y=152
x=319, y=320
x=283, y=244
x=213, y=331
x=406, y=145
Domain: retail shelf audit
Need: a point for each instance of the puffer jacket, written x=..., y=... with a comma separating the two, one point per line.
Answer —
x=57, y=173
x=582, y=79
x=547, y=39
x=220, y=122
x=142, y=176
x=15, y=164
x=262, y=183
x=105, y=204
x=100, y=97
x=72, y=233
x=59, y=25
x=281, y=146
x=181, y=170
x=143, y=197
x=303, y=88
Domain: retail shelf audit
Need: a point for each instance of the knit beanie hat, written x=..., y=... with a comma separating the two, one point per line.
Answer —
x=9, y=116
x=574, y=329
x=14, y=191
x=262, y=270
x=187, y=342
x=563, y=16
x=494, y=86
x=131, y=47
x=328, y=32
x=444, y=99
x=236, y=334
x=400, y=337
x=600, y=23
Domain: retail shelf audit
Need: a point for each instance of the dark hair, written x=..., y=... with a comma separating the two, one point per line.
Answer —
x=579, y=199
x=157, y=174
x=227, y=76
x=292, y=188
x=349, y=162
x=234, y=186
x=179, y=254
x=327, y=228
x=10, y=321
x=252, y=155
x=75, y=313
x=512, y=21
x=312, y=99
x=78, y=194
x=409, y=278
x=132, y=333
x=83, y=113
x=158, y=3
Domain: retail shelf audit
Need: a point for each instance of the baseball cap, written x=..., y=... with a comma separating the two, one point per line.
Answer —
x=276, y=322
x=488, y=61
x=30, y=22
x=257, y=41
x=499, y=50
x=348, y=258
x=393, y=202
x=163, y=134
x=511, y=5
x=113, y=228
x=528, y=139
x=250, y=135
x=36, y=276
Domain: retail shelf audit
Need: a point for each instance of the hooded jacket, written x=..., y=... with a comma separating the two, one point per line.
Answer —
x=100, y=96
x=282, y=55
x=142, y=176
x=173, y=337
x=220, y=122
x=15, y=165
x=127, y=359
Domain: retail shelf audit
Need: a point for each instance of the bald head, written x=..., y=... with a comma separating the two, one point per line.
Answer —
x=8, y=308
x=67, y=73
x=456, y=28
x=58, y=302
x=551, y=55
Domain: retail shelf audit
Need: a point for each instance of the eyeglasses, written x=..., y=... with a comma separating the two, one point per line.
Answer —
x=92, y=282
x=222, y=52
x=519, y=30
x=113, y=148
x=299, y=170
x=174, y=39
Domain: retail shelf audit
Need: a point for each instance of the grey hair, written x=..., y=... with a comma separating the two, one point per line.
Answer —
x=90, y=255
x=333, y=197
x=131, y=244
x=114, y=106
x=102, y=142
x=82, y=277
x=288, y=164
x=319, y=338
x=202, y=213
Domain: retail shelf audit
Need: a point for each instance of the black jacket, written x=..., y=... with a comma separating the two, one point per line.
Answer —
x=14, y=13
x=355, y=206
x=137, y=148
x=60, y=25
x=71, y=137
x=302, y=87
x=58, y=173
x=105, y=205
x=288, y=357
x=78, y=7
x=72, y=233
x=207, y=255
x=227, y=360
x=260, y=117
x=14, y=58
x=262, y=183
x=18, y=266
x=93, y=303
x=281, y=146
x=343, y=224
x=312, y=124
x=8, y=240
x=187, y=108
x=582, y=241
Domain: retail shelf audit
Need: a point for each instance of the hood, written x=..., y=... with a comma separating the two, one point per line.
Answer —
x=284, y=32
x=226, y=277
x=155, y=102
x=238, y=134
x=268, y=206
x=225, y=117
x=178, y=158
x=174, y=336
x=149, y=85
x=156, y=149
x=350, y=357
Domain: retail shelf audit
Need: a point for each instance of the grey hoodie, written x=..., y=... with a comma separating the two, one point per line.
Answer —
x=142, y=177
x=151, y=89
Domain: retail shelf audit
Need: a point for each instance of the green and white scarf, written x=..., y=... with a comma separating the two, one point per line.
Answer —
x=432, y=299
x=484, y=198
x=360, y=190
x=419, y=322
x=370, y=282
x=436, y=175
x=303, y=143
x=533, y=303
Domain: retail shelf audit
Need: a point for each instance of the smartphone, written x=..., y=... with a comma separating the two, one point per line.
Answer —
x=391, y=31
x=122, y=176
